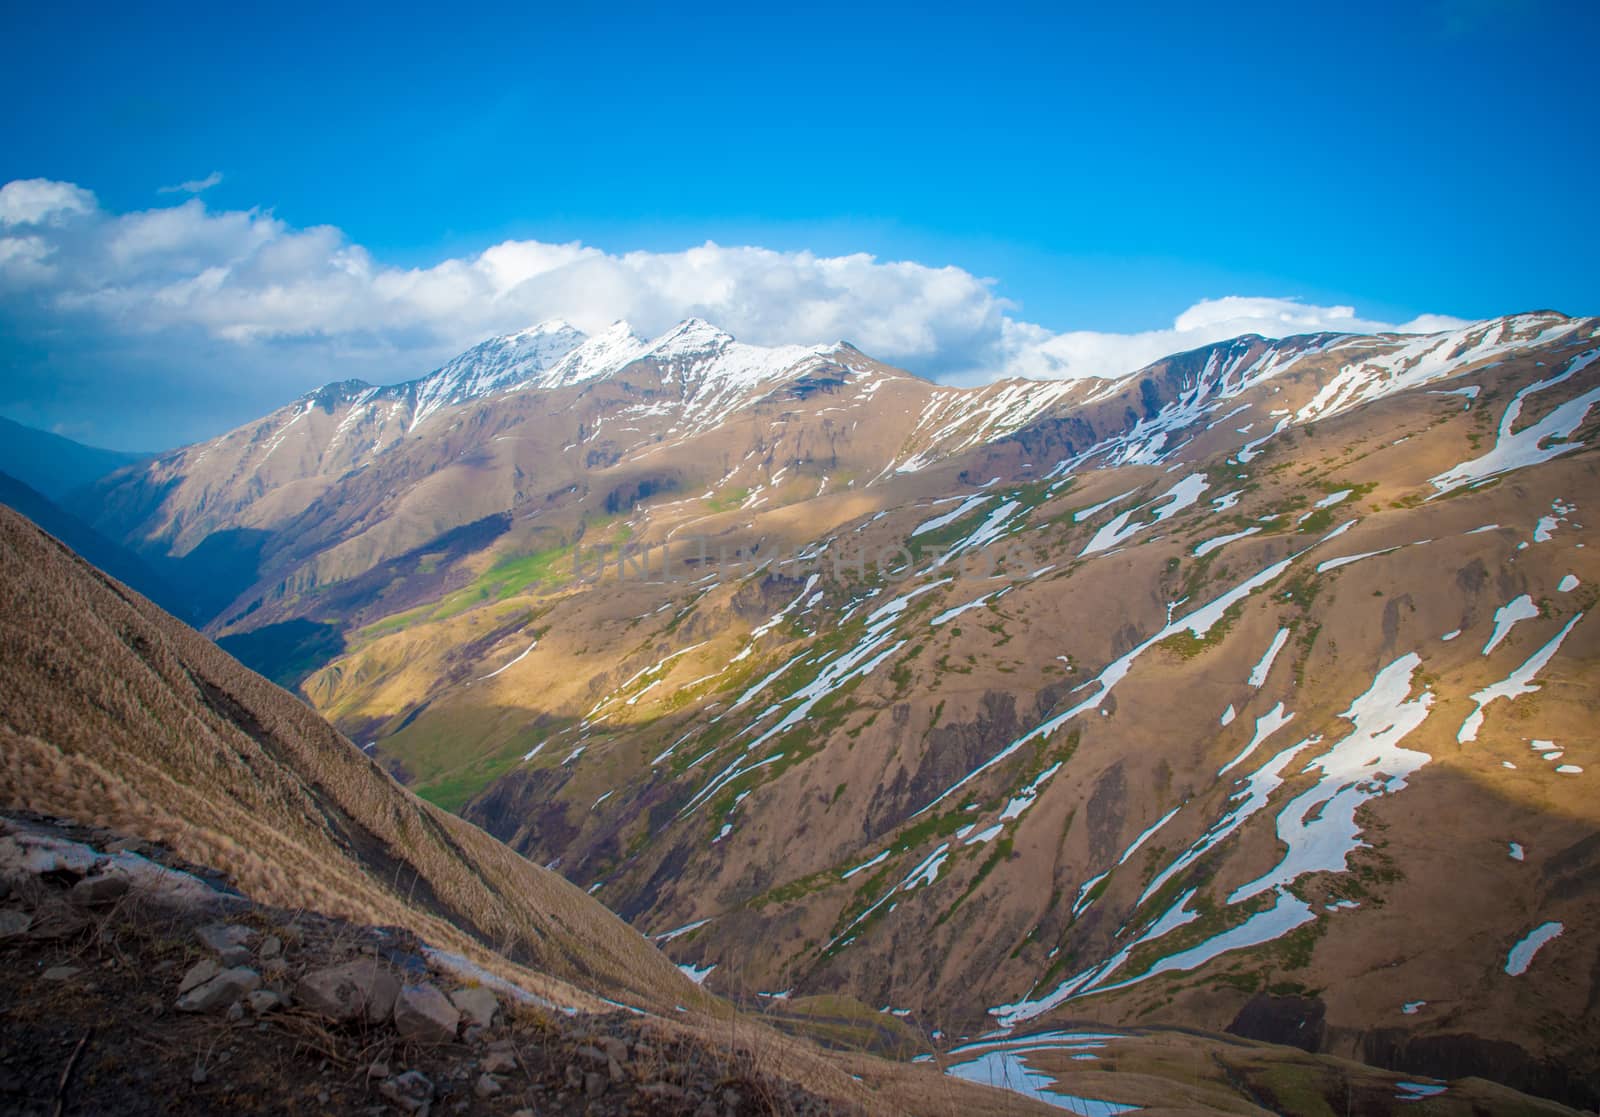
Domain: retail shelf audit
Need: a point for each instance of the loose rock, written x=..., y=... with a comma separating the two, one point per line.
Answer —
x=98, y=891
x=477, y=1005
x=500, y=1062
x=345, y=993
x=200, y=973
x=411, y=1091
x=221, y=991
x=486, y=1086
x=424, y=1014
x=227, y=941
x=263, y=1001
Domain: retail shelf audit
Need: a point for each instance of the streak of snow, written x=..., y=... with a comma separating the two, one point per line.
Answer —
x=1167, y=505
x=1319, y=825
x=1521, y=955
x=1266, y=725
x=1217, y=542
x=1263, y=667
x=1514, y=685
x=696, y=974
x=1516, y=449
x=1517, y=609
x=977, y=500
x=679, y=932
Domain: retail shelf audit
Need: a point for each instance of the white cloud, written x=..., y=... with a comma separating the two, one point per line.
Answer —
x=1032, y=351
x=36, y=201
x=193, y=186
x=311, y=306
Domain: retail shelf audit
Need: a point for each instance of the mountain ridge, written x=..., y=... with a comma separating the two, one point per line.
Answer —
x=995, y=706
x=686, y=767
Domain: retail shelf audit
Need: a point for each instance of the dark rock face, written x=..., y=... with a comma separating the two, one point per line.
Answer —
x=1292, y=1021
x=1457, y=1056
x=1300, y=1022
x=952, y=751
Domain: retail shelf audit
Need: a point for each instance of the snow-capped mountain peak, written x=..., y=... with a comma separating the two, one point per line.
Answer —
x=690, y=339
x=493, y=365
x=601, y=355
x=709, y=367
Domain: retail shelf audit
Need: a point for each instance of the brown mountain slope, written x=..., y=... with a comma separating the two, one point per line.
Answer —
x=1181, y=737
x=310, y=512
x=1183, y=733
x=119, y=718
x=118, y=715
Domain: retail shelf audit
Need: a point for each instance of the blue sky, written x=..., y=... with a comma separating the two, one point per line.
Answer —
x=1108, y=169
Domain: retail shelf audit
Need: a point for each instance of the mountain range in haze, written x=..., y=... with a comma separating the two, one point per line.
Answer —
x=1248, y=693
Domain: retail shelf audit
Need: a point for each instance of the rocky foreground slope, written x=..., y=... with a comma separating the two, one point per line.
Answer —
x=135, y=986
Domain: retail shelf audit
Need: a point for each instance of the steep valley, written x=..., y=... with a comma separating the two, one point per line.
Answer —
x=1253, y=692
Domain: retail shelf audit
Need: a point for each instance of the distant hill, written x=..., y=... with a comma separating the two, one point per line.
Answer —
x=54, y=465
x=148, y=577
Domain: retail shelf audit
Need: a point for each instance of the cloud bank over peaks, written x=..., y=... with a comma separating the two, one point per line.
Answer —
x=291, y=307
x=1035, y=352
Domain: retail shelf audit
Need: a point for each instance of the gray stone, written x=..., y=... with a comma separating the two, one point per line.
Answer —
x=263, y=1001
x=477, y=1005
x=228, y=941
x=593, y=1084
x=410, y=1091
x=221, y=991
x=14, y=923
x=98, y=891
x=235, y=1012
x=62, y=973
x=378, y=1070
x=424, y=1014
x=345, y=993
x=199, y=973
x=271, y=946
x=614, y=1048
x=486, y=1086
x=500, y=1062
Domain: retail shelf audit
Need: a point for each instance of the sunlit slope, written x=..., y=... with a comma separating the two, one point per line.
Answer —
x=1188, y=718
x=118, y=715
